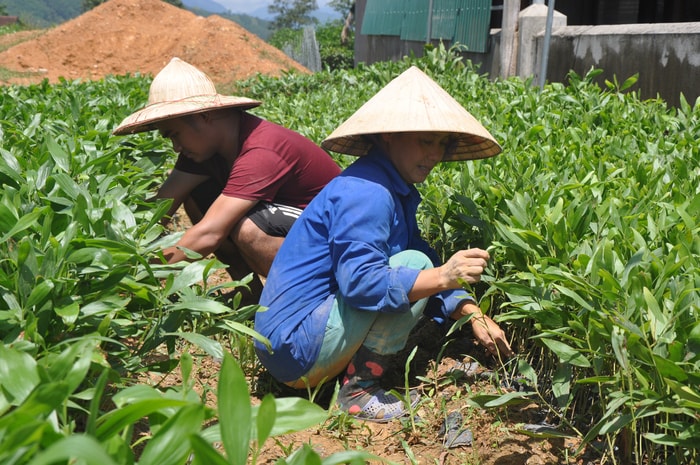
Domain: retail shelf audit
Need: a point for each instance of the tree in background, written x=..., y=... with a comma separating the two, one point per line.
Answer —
x=3, y=9
x=342, y=6
x=336, y=45
x=292, y=14
x=346, y=8
x=90, y=4
x=335, y=54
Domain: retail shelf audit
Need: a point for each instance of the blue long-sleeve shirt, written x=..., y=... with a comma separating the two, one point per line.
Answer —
x=341, y=244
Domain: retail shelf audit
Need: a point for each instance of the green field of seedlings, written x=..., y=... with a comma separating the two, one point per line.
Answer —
x=591, y=215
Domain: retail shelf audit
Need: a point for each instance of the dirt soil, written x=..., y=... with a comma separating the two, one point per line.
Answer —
x=138, y=36
x=480, y=437
x=447, y=370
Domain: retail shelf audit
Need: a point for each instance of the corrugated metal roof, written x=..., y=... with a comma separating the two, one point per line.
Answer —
x=473, y=24
x=383, y=18
x=415, y=20
x=444, y=16
x=458, y=21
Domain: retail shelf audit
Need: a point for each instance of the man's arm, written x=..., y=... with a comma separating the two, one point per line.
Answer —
x=207, y=235
x=178, y=187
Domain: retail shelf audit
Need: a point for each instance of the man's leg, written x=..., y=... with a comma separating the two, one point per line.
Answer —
x=253, y=243
x=228, y=253
x=261, y=233
x=255, y=246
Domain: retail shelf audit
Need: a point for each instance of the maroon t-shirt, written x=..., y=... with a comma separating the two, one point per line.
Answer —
x=274, y=164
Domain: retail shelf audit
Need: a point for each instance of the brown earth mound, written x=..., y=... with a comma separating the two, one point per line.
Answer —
x=140, y=36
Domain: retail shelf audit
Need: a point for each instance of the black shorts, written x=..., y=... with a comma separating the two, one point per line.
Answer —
x=272, y=218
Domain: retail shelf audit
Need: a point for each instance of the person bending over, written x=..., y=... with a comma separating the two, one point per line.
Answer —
x=353, y=276
x=242, y=180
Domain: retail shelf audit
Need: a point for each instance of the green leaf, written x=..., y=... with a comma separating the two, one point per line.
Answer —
x=113, y=422
x=134, y=394
x=657, y=320
x=305, y=455
x=18, y=374
x=234, y=411
x=544, y=433
x=510, y=398
x=354, y=457
x=8, y=218
x=205, y=453
x=94, y=410
x=186, y=364
x=669, y=369
x=294, y=414
x=629, y=82
x=616, y=423
x=171, y=444
x=561, y=384
x=72, y=448
x=267, y=413
x=574, y=295
x=686, y=394
x=527, y=371
x=566, y=353
x=193, y=273
x=72, y=364
x=59, y=155
x=68, y=313
x=25, y=222
x=45, y=399
x=493, y=400
x=200, y=304
x=243, y=329
x=619, y=345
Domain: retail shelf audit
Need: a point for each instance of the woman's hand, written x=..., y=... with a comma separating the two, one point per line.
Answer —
x=467, y=265
x=486, y=331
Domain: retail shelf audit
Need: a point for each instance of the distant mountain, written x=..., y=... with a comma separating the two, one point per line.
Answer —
x=43, y=13
x=205, y=5
x=46, y=13
x=257, y=26
x=259, y=8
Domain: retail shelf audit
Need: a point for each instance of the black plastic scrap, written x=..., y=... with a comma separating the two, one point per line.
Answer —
x=453, y=432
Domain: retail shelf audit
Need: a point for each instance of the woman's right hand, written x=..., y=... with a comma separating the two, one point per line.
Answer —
x=467, y=265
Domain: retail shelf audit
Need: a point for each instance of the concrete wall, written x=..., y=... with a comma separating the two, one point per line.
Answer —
x=666, y=56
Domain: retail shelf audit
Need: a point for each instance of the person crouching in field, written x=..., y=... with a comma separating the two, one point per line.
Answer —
x=243, y=181
x=353, y=276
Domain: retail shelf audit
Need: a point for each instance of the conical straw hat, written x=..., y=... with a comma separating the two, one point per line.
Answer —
x=179, y=89
x=413, y=102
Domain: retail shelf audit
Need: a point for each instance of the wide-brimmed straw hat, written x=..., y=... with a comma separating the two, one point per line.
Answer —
x=412, y=102
x=179, y=89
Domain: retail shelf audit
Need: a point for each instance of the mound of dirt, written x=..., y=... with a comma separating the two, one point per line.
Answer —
x=141, y=36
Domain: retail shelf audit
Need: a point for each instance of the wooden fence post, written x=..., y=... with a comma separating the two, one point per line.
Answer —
x=509, y=38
